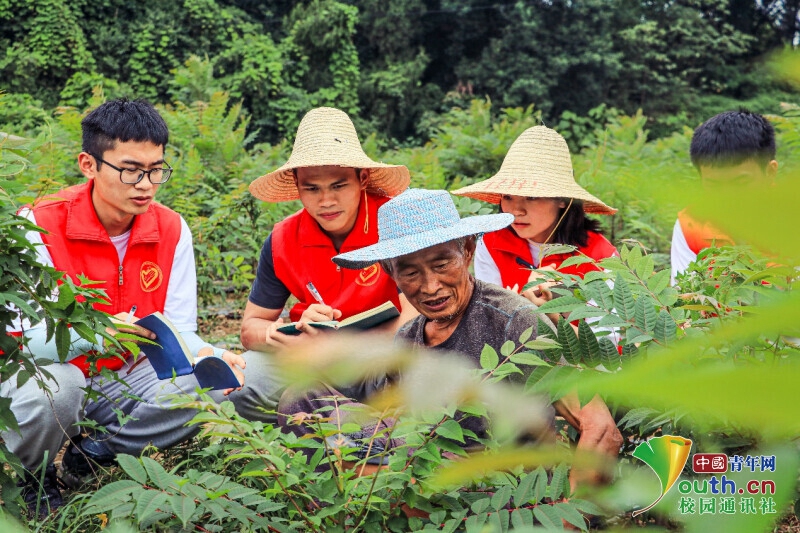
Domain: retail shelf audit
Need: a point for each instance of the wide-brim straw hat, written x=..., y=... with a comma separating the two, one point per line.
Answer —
x=415, y=220
x=538, y=164
x=327, y=137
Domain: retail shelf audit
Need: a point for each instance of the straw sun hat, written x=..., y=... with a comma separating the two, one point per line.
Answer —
x=419, y=219
x=538, y=164
x=326, y=136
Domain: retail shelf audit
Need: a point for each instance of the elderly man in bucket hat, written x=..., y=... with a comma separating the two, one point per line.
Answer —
x=341, y=189
x=426, y=248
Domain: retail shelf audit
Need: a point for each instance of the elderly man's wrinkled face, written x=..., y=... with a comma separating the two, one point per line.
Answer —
x=436, y=280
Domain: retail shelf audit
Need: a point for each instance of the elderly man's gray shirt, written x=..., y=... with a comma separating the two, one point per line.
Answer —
x=493, y=316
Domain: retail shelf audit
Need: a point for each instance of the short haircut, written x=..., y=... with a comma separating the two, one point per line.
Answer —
x=731, y=138
x=122, y=120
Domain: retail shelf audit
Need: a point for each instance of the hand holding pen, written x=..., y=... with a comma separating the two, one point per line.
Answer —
x=320, y=311
x=124, y=324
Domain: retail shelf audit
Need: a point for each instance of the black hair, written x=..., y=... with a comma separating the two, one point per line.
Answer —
x=732, y=138
x=122, y=120
x=575, y=226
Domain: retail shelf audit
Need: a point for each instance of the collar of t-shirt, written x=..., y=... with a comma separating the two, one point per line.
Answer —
x=120, y=242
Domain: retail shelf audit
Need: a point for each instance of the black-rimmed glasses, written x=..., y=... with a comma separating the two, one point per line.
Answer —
x=132, y=176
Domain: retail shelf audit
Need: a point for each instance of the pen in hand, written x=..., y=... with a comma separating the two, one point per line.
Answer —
x=523, y=263
x=131, y=314
x=315, y=293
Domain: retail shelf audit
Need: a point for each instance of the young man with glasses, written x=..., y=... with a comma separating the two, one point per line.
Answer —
x=111, y=230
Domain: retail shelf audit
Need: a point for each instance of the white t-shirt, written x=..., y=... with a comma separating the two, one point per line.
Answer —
x=487, y=270
x=680, y=254
x=180, y=306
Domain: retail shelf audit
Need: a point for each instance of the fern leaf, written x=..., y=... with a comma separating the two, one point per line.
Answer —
x=645, y=314
x=623, y=299
x=609, y=355
x=589, y=346
x=569, y=342
x=665, y=330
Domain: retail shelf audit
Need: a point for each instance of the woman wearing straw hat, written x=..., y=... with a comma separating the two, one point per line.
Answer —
x=536, y=185
x=341, y=189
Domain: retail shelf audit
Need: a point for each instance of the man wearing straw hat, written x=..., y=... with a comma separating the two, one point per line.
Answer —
x=426, y=248
x=341, y=189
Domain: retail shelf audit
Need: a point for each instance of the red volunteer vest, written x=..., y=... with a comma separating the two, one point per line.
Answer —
x=700, y=235
x=505, y=246
x=302, y=253
x=79, y=244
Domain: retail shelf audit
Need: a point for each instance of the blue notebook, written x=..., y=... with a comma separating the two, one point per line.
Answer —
x=170, y=353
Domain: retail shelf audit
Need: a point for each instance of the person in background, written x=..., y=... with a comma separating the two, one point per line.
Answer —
x=111, y=230
x=536, y=185
x=341, y=189
x=732, y=148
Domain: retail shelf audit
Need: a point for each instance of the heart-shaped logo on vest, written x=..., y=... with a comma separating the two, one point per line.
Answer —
x=150, y=276
x=369, y=275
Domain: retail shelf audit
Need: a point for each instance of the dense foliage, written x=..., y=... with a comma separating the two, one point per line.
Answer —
x=713, y=358
x=395, y=64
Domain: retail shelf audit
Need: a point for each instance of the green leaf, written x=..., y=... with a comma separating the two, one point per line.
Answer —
x=112, y=495
x=644, y=269
x=489, y=358
x=480, y=506
x=600, y=292
x=528, y=358
x=645, y=314
x=62, y=340
x=524, y=490
x=586, y=311
x=525, y=335
x=132, y=467
x=551, y=249
x=571, y=349
x=564, y=304
x=587, y=507
x=576, y=260
x=7, y=419
x=158, y=476
x=589, y=346
x=506, y=348
x=149, y=502
x=658, y=282
x=558, y=482
x=612, y=321
x=665, y=330
x=539, y=485
x=451, y=430
x=668, y=297
x=183, y=507
x=633, y=258
x=609, y=355
x=568, y=512
x=84, y=331
x=542, y=343
x=521, y=519
x=623, y=299
x=548, y=517
x=501, y=497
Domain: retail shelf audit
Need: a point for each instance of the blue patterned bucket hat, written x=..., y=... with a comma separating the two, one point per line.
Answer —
x=415, y=220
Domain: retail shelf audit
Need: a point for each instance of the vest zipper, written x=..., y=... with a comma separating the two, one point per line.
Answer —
x=120, y=274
